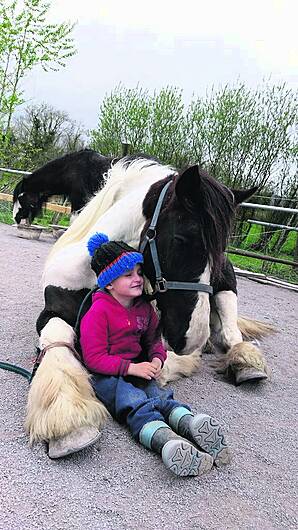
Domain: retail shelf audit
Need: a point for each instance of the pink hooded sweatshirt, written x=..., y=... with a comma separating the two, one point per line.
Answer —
x=111, y=335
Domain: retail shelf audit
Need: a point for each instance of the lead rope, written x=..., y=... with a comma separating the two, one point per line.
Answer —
x=40, y=353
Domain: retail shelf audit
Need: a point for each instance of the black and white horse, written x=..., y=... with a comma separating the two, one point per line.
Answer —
x=191, y=236
x=76, y=176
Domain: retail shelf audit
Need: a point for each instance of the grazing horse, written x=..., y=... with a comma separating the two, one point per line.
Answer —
x=76, y=176
x=190, y=235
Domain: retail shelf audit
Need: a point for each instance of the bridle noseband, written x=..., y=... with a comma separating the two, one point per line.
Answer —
x=161, y=284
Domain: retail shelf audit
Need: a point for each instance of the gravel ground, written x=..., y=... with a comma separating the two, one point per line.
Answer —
x=118, y=484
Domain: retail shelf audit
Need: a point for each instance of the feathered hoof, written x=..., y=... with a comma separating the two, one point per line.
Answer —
x=177, y=366
x=244, y=363
x=249, y=375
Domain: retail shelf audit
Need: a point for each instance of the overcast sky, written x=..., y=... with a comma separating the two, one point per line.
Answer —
x=191, y=44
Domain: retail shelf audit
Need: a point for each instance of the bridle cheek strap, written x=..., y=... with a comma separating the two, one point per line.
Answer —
x=161, y=284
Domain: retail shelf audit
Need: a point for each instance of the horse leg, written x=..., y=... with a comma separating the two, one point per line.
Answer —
x=187, y=363
x=242, y=359
x=177, y=366
x=61, y=400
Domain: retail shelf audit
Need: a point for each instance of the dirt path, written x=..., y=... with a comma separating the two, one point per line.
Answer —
x=120, y=485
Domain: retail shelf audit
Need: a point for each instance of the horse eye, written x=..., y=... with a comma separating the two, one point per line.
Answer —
x=181, y=239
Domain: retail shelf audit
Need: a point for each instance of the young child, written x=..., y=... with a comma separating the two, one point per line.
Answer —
x=121, y=346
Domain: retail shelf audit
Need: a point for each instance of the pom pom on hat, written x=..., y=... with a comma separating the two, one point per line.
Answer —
x=111, y=259
x=96, y=241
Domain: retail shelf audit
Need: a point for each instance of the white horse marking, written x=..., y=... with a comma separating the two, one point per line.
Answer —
x=226, y=326
x=199, y=330
x=16, y=207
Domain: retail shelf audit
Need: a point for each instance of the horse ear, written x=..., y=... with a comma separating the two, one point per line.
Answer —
x=242, y=195
x=188, y=182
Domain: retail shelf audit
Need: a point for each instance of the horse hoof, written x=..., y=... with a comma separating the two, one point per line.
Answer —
x=73, y=442
x=249, y=375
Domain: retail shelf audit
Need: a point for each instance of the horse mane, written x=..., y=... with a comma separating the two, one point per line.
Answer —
x=124, y=176
x=213, y=206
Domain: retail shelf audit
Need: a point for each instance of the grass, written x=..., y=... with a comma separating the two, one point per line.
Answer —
x=45, y=220
x=254, y=235
x=277, y=270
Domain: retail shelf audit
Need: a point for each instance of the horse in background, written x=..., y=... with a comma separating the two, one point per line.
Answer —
x=76, y=176
x=191, y=236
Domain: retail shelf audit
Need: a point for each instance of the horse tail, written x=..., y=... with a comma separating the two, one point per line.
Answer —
x=254, y=329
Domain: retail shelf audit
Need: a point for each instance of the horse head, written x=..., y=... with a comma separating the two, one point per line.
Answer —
x=191, y=236
x=26, y=204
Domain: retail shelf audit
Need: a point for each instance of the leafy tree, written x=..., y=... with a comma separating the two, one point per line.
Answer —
x=41, y=134
x=27, y=40
x=242, y=136
x=124, y=117
x=150, y=124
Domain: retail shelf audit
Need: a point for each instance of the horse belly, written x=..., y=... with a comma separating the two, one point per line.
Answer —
x=70, y=269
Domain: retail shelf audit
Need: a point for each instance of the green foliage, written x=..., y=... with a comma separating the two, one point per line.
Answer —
x=150, y=124
x=276, y=270
x=41, y=134
x=245, y=134
x=27, y=40
x=242, y=136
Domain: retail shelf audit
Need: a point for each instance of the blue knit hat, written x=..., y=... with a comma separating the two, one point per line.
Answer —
x=111, y=259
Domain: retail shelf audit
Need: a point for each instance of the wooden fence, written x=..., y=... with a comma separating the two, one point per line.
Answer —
x=48, y=205
x=62, y=209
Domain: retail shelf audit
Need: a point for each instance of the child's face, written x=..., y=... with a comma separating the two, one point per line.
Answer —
x=129, y=285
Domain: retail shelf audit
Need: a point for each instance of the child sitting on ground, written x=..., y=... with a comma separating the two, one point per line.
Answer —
x=122, y=347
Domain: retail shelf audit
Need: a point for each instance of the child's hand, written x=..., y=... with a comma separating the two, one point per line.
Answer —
x=158, y=364
x=145, y=370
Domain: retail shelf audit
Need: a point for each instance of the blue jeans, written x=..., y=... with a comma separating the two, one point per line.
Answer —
x=134, y=401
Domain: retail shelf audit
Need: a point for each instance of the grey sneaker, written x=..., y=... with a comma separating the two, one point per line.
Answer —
x=73, y=442
x=183, y=459
x=208, y=435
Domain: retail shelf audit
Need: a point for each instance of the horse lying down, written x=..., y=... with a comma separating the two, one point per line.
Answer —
x=190, y=234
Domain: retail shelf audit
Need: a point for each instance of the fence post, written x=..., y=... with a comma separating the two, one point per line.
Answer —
x=296, y=253
x=125, y=148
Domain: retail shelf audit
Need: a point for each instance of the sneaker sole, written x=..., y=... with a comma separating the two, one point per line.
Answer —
x=184, y=460
x=208, y=435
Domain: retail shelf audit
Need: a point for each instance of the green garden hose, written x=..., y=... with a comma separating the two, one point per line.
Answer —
x=16, y=369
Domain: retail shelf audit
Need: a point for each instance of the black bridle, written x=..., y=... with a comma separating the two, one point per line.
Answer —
x=161, y=284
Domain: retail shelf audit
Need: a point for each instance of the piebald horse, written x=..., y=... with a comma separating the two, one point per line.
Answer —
x=191, y=235
x=76, y=176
